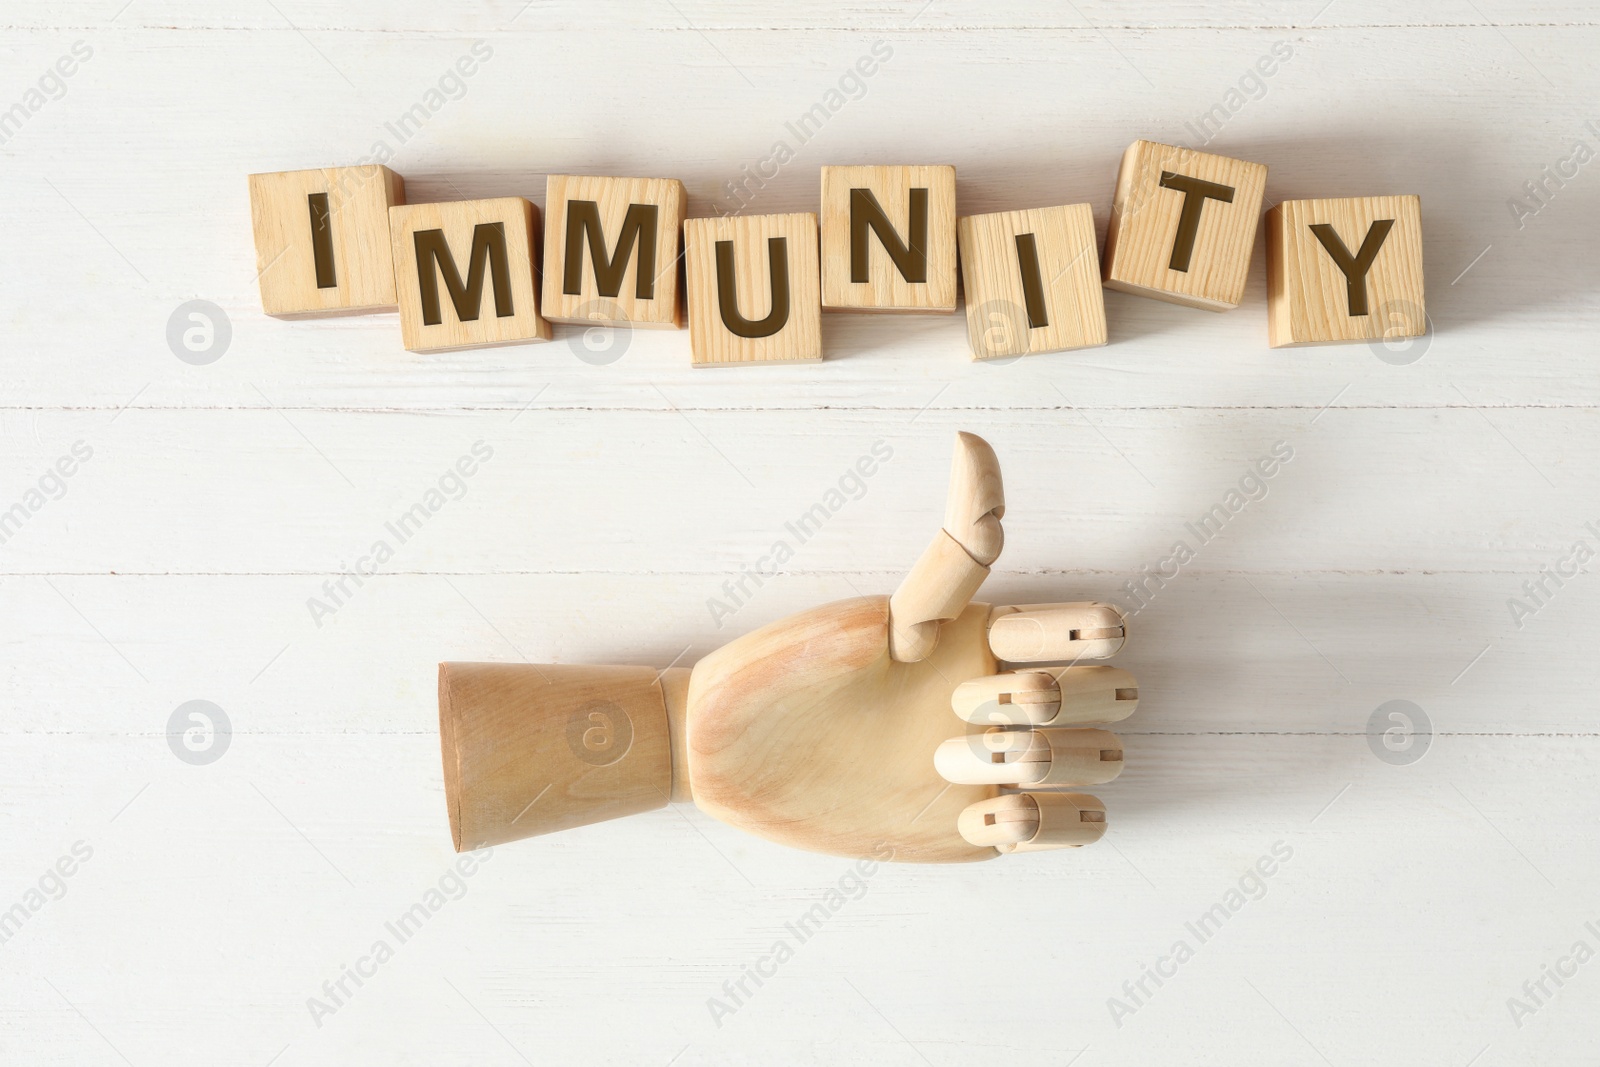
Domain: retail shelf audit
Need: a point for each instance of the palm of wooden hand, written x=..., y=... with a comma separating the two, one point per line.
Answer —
x=808, y=732
x=837, y=730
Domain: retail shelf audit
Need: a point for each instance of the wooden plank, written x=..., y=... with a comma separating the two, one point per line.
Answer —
x=1191, y=821
x=711, y=16
x=1369, y=490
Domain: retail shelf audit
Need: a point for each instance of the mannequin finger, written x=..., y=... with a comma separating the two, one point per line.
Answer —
x=1047, y=696
x=1026, y=757
x=1036, y=632
x=947, y=575
x=1033, y=822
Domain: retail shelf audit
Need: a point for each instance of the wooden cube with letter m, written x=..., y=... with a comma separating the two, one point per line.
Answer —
x=611, y=251
x=464, y=274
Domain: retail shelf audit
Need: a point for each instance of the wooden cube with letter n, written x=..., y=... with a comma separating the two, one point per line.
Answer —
x=889, y=238
x=753, y=292
x=611, y=250
x=1345, y=270
x=322, y=240
x=1183, y=225
x=465, y=276
x=1033, y=281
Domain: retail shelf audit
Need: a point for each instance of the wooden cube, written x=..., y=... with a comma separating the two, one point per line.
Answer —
x=611, y=250
x=465, y=274
x=889, y=238
x=753, y=289
x=322, y=240
x=1183, y=225
x=1345, y=270
x=1033, y=281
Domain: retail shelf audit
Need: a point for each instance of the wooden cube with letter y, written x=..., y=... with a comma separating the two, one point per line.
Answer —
x=322, y=240
x=611, y=250
x=1033, y=281
x=753, y=290
x=889, y=238
x=464, y=273
x=1183, y=225
x=1345, y=270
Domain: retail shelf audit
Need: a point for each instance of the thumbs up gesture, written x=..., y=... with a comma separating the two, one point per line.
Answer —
x=874, y=726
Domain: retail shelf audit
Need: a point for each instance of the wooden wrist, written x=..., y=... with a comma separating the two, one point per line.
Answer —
x=530, y=749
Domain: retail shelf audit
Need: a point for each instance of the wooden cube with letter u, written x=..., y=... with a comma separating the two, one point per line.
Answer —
x=1183, y=225
x=1033, y=281
x=889, y=238
x=322, y=240
x=464, y=273
x=1345, y=270
x=753, y=289
x=611, y=250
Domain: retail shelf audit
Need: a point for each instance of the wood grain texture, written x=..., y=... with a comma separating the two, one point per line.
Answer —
x=797, y=338
x=999, y=323
x=808, y=733
x=886, y=287
x=1145, y=229
x=1309, y=298
x=505, y=314
x=613, y=198
x=178, y=562
x=530, y=749
x=357, y=206
x=955, y=563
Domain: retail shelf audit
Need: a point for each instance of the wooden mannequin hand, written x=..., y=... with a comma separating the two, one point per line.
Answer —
x=839, y=729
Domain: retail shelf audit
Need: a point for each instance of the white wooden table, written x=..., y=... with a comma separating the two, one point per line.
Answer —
x=1414, y=903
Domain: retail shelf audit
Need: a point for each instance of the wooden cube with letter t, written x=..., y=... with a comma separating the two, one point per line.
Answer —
x=1032, y=281
x=889, y=238
x=1183, y=225
x=753, y=295
x=464, y=273
x=1345, y=270
x=322, y=240
x=611, y=250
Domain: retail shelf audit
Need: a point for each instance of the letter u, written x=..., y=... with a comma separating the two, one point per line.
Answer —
x=728, y=291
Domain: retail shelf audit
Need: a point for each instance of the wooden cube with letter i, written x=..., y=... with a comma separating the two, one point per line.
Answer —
x=322, y=240
x=464, y=273
x=611, y=251
x=1033, y=281
x=889, y=238
x=1345, y=270
x=1183, y=225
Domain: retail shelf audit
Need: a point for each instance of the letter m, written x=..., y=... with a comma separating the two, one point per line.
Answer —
x=488, y=256
x=638, y=230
